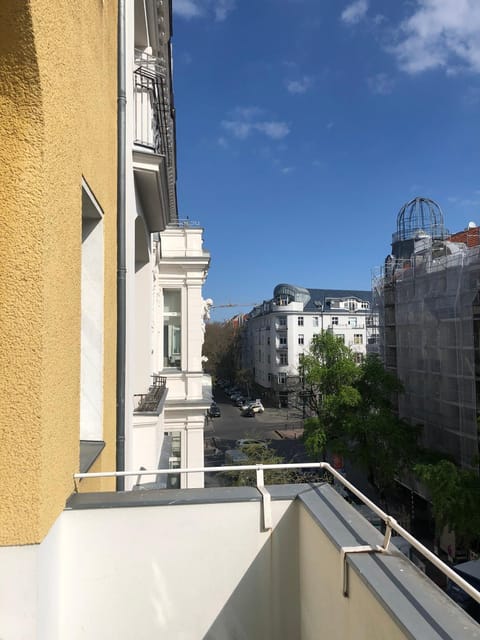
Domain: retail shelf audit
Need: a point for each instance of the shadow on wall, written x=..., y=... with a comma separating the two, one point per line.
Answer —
x=265, y=603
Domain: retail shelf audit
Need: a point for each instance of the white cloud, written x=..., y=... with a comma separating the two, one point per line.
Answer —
x=246, y=120
x=237, y=128
x=440, y=34
x=299, y=86
x=222, y=8
x=273, y=129
x=188, y=9
x=355, y=12
x=287, y=170
x=381, y=84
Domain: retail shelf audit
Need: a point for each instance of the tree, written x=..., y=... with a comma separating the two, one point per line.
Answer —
x=455, y=496
x=263, y=454
x=376, y=439
x=244, y=378
x=221, y=349
x=329, y=375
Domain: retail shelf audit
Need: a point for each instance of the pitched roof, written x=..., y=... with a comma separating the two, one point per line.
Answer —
x=318, y=296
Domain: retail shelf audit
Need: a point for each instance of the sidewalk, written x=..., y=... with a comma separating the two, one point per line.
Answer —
x=287, y=424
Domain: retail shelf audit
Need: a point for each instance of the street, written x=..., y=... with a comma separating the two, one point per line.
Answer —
x=280, y=428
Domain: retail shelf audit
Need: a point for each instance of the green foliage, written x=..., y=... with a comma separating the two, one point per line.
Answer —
x=353, y=411
x=329, y=374
x=376, y=438
x=455, y=495
x=221, y=347
x=314, y=437
x=258, y=454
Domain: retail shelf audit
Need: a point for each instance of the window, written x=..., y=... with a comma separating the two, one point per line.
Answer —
x=340, y=336
x=268, y=339
x=269, y=377
x=315, y=321
x=300, y=321
x=91, y=319
x=175, y=459
x=283, y=358
x=358, y=358
x=334, y=319
x=172, y=332
x=268, y=358
x=301, y=339
x=282, y=378
x=282, y=321
x=365, y=305
x=351, y=305
x=282, y=341
x=357, y=338
x=352, y=322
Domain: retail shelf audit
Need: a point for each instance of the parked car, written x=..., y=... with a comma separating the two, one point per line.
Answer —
x=214, y=411
x=235, y=456
x=469, y=571
x=246, y=442
x=248, y=413
x=257, y=406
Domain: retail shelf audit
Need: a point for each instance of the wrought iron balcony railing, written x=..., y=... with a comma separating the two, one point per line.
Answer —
x=150, y=401
x=153, y=122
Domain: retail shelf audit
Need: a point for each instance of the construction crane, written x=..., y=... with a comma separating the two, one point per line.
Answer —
x=235, y=304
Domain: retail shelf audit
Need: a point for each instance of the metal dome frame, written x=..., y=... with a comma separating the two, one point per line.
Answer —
x=420, y=215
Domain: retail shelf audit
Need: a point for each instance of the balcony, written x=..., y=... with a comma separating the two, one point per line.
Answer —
x=154, y=141
x=285, y=562
x=152, y=126
x=151, y=401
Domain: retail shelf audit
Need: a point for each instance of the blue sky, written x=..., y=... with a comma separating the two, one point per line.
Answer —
x=303, y=126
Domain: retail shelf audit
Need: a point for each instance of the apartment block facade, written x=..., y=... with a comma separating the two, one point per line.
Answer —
x=166, y=390
x=427, y=295
x=279, y=330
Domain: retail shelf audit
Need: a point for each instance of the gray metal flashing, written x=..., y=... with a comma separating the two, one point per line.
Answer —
x=89, y=452
x=169, y=497
x=418, y=606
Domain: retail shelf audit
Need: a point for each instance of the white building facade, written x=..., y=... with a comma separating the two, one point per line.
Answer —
x=280, y=330
x=165, y=390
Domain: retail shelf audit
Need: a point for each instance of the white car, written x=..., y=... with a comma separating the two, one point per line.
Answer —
x=246, y=442
x=256, y=406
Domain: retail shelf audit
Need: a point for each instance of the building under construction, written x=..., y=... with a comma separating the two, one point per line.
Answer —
x=427, y=296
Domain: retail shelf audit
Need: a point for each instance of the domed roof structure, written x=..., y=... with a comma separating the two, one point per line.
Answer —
x=420, y=217
x=292, y=293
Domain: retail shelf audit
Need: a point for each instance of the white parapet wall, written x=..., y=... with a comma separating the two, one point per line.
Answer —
x=199, y=564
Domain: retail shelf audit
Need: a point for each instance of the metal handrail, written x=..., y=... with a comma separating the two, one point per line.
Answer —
x=390, y=522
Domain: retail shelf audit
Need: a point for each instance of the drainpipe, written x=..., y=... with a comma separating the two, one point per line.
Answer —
x=121, y=245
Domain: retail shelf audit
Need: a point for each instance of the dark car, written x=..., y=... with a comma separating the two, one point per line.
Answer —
x=214, y=411
x=248, y=413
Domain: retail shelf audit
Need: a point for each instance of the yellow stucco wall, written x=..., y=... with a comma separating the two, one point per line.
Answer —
x=57, y=124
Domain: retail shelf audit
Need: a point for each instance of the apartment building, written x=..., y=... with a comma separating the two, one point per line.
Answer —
x=279, y=330
x=427, y=296
x=166, y=390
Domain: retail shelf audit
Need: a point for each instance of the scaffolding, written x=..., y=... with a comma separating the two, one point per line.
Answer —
x=428, y=307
